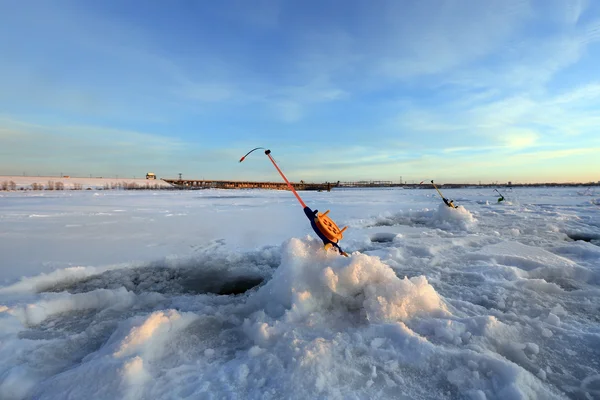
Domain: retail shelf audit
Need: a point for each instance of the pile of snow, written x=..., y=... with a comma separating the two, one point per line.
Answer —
x=60, y=303
x=451, y=218
x=505, y=202
x=305, y=284
x=444, y=217
x=44, y=281
x=322, y=326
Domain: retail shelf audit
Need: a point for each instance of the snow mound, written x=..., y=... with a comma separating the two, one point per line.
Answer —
x=526, y=258
x=44, y=280
x=123, y=367
x=211, y=272
x=504, y=203
x=147, y=336
x=305, y=284
x=444, y=217
x=60, y=303
x=590, y=234
x=323, y=326
x=327, y=326
x=554, y=273
x=453, y=218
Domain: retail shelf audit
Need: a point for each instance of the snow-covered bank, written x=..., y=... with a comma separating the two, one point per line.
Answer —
x=51, y=183
x=496, y=301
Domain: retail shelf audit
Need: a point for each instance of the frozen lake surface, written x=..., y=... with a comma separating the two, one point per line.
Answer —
x=227, y=294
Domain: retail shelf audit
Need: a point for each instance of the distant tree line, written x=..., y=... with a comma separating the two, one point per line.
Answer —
x=8, y=185
x=51, y=185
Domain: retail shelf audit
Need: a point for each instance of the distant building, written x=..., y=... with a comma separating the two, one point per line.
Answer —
x=150, y=175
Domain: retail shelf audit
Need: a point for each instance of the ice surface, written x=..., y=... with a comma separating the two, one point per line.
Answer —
x=226, y=294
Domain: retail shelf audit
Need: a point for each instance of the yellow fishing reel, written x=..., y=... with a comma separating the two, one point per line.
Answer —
x=449, y=203
x=328, y=228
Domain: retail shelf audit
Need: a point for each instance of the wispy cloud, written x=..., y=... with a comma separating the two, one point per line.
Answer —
x=84, y=149
x=553, y=154
x=433, y=37
x=520, y=138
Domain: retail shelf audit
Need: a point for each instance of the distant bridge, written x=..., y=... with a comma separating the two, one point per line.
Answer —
x=327, y=186
x=212, y=184
x=358, y=184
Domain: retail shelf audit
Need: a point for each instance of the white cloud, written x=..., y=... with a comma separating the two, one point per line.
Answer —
x=499, y=129
x=553, y=154
x=470, y=149
x=501, y=113
x=520, y=138
x=586, y=93
x=288, y=111
x=574, y=9
x=38, y=148
x=431, y=37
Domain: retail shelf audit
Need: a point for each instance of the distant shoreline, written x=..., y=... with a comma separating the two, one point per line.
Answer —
x=13, y=182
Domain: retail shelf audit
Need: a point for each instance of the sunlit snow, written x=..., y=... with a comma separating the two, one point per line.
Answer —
x=227, y=294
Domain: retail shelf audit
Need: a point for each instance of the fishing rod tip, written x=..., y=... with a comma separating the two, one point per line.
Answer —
x=242, y=159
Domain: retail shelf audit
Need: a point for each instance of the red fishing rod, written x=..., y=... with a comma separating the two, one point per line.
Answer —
x=323, y=226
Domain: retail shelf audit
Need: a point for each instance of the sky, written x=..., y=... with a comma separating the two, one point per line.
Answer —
x=452, y=90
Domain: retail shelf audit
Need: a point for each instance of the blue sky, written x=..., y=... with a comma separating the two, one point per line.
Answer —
x=453, y=90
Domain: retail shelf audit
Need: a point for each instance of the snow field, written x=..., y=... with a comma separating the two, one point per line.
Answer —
x=488, y=301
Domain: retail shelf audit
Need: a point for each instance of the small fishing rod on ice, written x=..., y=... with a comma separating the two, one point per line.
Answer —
x=323, y=226
x=449, y=203
x=501, y=196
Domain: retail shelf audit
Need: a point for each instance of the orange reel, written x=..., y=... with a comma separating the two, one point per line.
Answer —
x=328, y=228
x=323, y=226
